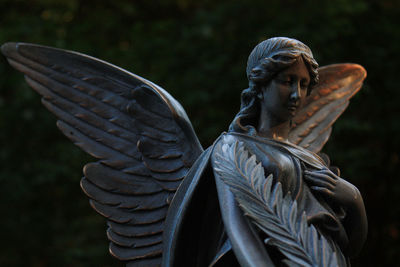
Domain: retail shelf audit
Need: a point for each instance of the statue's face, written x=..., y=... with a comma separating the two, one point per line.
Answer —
x=285, y=93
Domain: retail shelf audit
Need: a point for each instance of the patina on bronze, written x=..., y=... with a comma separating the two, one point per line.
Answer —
x=259, y=196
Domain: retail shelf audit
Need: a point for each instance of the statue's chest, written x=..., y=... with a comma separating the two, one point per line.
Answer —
x=284, y=167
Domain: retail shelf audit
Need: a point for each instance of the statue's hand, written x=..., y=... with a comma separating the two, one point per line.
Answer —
x=332, y=187
x=339, y=191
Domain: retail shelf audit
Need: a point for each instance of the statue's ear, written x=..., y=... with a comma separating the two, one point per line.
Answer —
x=256, y=74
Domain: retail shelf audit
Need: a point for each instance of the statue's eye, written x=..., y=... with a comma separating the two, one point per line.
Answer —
x=287, y=81
x=304, y=84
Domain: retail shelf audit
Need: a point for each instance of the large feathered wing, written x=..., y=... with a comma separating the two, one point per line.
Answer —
x=140, y=134
x=312, y=125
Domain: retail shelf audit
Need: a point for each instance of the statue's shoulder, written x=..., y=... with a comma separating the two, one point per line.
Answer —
x=233, y=137
x=246, y=140
x=228, y=143
x=226, y=138
x=229, y=139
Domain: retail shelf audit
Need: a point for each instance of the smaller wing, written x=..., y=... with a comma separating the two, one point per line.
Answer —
x=312, y=125
x=140, y=135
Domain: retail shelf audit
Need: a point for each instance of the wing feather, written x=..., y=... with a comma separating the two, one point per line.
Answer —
x=134, y=202
x=136, y=242
x=96, y=149
x=155, y=149
x=130, y=216
x=119, y=182
x=127, y=253
x=140, y=134
x=130, y=230
x=322, y=123
x=313, y=123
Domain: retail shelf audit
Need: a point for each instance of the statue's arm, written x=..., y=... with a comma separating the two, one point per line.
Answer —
x=247, y=246
x=356, y=224
x=347, y=196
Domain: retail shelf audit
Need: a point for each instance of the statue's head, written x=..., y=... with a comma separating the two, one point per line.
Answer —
x=266, y=61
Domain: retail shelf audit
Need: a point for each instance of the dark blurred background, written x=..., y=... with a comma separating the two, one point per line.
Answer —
x=197, y=50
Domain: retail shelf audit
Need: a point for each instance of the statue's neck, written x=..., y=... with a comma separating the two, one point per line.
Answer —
x=269, y=126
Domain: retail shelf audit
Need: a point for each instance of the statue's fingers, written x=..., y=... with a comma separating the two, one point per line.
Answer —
x=318, y=182
x=327, y=172
x=323, y=190
x=335, y=170
x=321, y=176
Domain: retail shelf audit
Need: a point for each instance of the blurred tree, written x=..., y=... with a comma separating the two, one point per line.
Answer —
x=197, y=50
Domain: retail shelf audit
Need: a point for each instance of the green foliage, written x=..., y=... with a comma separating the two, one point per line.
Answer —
x=197, y=50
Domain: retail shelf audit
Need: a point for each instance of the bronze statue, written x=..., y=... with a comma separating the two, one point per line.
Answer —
x=260, y=196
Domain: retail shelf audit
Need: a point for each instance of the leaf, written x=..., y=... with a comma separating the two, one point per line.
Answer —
x=275, y=214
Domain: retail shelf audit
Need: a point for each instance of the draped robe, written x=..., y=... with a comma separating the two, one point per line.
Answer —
x=195, y=234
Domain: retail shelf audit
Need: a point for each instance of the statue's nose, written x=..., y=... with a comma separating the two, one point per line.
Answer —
x=295, y=94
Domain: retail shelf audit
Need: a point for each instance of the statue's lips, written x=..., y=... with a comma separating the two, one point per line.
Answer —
x=292, y=107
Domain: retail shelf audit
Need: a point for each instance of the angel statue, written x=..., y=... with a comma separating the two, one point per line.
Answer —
x=261, y=195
